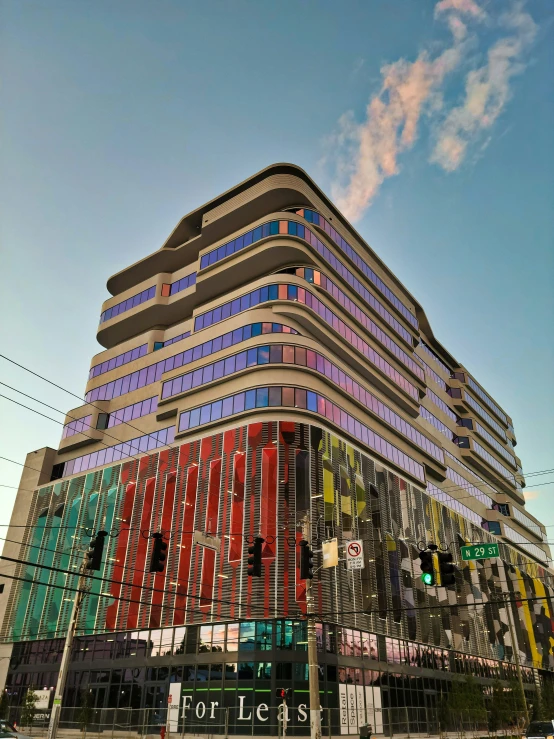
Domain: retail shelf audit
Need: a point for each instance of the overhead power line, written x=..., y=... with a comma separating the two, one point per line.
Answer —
x=115, y=582
x=93, y=405
x=124, y=583
x=69, y=392
x=457, y=487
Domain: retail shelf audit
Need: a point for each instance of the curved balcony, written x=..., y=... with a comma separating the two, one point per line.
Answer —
x=161, y=309
x=290, y=227
x=301, y=296
x=313, y=362
x=293, y=400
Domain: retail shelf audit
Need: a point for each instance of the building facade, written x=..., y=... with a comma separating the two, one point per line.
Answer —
x=264, y=364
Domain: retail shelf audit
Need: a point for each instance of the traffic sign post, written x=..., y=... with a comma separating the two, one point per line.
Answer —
x=480, y=551
x=355, y=555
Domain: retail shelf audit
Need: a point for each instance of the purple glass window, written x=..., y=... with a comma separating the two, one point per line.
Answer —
x=274, y=396
x=216, y=410
x=145, y=376
x=78, y=426
x=345, y=331
x=119, y=451
x=126, y=305
x=118, y=361
x=279, y=353
x=299, y=230
x=266, y=397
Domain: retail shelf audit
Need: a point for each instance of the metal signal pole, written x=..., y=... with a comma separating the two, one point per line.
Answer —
x=64, y=667
x=313, y=666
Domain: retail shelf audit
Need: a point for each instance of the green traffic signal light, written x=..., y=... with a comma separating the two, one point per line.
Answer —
x=427, y=578
x=427, y=562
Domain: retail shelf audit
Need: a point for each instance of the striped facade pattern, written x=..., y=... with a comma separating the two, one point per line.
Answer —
x=261, y=478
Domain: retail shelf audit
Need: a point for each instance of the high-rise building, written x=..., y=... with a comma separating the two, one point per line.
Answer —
x=262, y=364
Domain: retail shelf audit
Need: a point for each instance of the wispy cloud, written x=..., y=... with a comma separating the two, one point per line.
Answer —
x=461, y=6
x=487, y=90
x=367, y=153
x=530, y=494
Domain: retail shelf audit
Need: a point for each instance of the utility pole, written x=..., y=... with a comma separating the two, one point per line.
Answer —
x=515, y=650
x=66, y=657
x=313, y=667
x=91, y=561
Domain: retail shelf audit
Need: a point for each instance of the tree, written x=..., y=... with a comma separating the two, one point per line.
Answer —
x=28, y=708
x=517, y=704
x=465, y=702
x=547, y=699
x=538, y=710
x=84, y=716
x=500, y=713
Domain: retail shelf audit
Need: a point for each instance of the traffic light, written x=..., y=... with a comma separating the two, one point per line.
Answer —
x=446, y=569
x=255, y=558
x=158, y=554
x=94, y=555
x=306, y=561
x=283, y=694
x=427, y=567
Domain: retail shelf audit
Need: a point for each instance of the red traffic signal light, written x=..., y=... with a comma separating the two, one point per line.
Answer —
x=255, y=558
x=157, y=561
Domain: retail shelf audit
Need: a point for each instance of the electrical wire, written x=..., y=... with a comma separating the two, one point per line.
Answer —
x=300, y=617
x=446, y=489
x=458, y=487
x=61, y=423
x=75, y=553
x=157, y=590
x=69, y=392
x=540, y=472
x=109, y=595
x=366, y=612
x=378, y=610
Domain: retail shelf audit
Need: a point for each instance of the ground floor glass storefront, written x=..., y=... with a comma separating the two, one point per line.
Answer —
x=238, y=666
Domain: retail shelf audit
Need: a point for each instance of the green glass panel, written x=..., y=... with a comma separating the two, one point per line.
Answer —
x=43, y=575
x=91, y=510
x=67, y=561
x=109, y=546
x=29, y=574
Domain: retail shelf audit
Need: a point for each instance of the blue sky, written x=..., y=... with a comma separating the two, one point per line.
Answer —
x=429, y=123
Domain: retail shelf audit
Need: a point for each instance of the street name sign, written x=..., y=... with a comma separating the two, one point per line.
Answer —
x=480, y=551
x=206, y=540
x=354, y=555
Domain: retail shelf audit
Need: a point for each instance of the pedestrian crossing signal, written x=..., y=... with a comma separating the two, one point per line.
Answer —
x=283, y=693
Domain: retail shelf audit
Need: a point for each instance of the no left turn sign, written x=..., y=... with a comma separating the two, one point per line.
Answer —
x=355, y=555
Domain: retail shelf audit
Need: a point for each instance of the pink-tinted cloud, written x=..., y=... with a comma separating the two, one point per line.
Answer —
x=370, y=150
x=530, y=494
x=391, y=125
x=487, y=90
x=461, y=6
x=367, y=153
